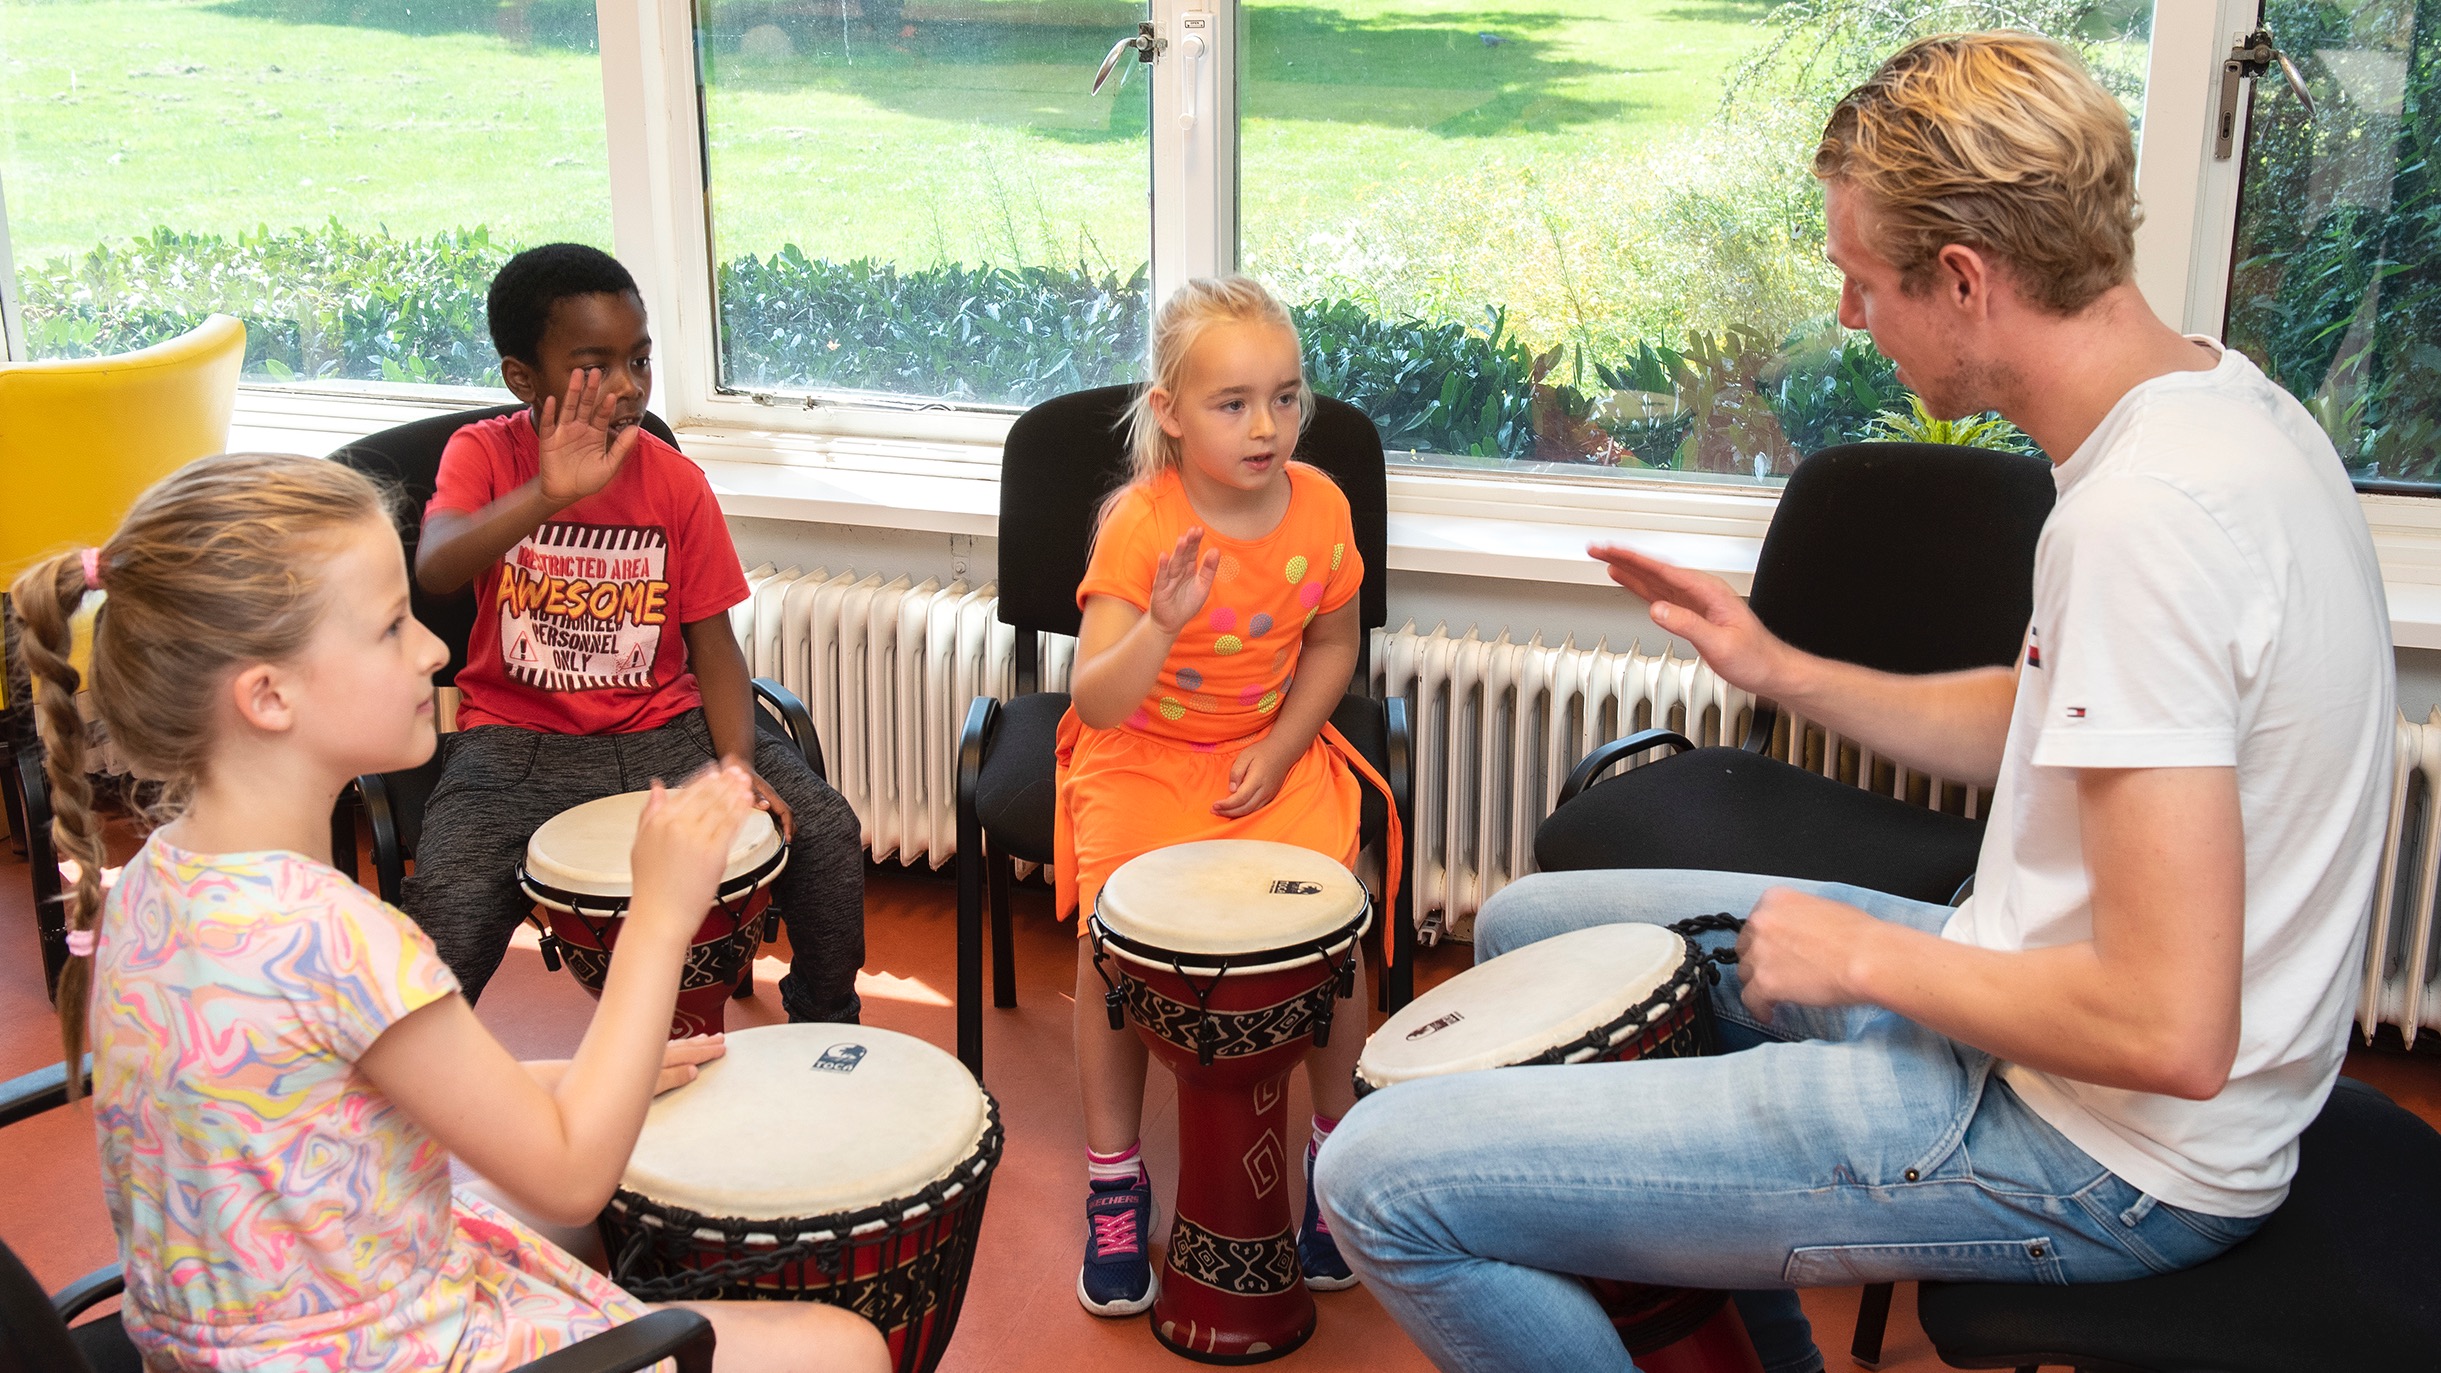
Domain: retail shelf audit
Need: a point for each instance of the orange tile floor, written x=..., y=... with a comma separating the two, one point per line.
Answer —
x=1021, y=1311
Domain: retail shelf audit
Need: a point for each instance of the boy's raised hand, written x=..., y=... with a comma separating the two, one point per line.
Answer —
x=1182, y=582
x=682, y=844
x=579, y=453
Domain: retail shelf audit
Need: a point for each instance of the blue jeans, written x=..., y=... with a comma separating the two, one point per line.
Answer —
x=1826, y=1148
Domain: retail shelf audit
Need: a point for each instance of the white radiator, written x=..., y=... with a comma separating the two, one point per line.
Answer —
x=887, y=666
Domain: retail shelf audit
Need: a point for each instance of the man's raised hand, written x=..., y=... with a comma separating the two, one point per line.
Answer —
x=1182, y=582
x=1703, y=610
x=580, y=454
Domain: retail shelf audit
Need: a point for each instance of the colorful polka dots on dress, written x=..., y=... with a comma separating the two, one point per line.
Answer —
x=1339, y=552
x=1310, y=595
x=1259, y=626
x=1142, y=719
x=1223, y=619
x=1269, y=703
x=1227, y=644
x=1230, y=567
x=1171, y=710
x=1190, y=679
x=1250, y=695
x=1209, y=705
x=1296, y=569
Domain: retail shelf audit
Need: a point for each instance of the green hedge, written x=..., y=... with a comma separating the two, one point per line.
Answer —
x=335, y=303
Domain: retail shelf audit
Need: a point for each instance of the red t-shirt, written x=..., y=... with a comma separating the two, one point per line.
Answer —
x=577, y=627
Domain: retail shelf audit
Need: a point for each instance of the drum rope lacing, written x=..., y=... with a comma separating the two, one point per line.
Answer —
x=1719, y=922
x=1324, y=999
x=829, y=1240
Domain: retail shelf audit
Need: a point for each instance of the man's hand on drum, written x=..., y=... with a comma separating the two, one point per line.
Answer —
x=680, y=1061
x=682, y=844
x=1703, y=610
x=1799, y=949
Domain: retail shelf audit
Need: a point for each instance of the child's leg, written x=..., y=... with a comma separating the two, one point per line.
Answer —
x=491, y=799
x=792, y=1337
x=821, y=895
x=1330, y=1069
x=1109, y=1065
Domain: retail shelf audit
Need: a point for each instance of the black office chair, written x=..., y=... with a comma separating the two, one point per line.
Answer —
x=35, y=1332
x=1907, y=557
x=1061, y=459
x=408, y=459
x=2345, y=1276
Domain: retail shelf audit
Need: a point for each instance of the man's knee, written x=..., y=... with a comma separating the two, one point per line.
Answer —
x=1354, y=1171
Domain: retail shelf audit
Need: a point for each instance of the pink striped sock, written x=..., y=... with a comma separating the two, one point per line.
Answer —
x=1323, y=1125
x=1125, y=1166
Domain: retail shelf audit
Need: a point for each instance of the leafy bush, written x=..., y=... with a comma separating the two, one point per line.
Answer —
x=318, y=304
x=333, y=304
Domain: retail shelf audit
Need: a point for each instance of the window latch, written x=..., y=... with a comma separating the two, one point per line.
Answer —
x=2251, y=57
x=1147, y=43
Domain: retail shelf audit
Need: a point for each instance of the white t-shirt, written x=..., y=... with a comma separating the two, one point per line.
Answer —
x=2205, y=595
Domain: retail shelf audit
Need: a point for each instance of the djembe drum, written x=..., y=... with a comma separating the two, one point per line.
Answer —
x=1229, y=955
x=1598, y=995
x=833, y=1163
x=576, y=872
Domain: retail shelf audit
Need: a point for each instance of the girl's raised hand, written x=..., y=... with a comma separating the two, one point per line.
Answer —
x=1182, y=582
x=682, y=844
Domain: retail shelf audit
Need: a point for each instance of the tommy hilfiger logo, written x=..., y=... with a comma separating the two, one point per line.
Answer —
x=2034, y=647
x=2076, y=712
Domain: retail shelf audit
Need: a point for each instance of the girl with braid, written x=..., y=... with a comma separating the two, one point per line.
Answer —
x=282, y=1066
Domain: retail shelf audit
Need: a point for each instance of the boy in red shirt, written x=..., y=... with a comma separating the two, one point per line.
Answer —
x=602, y=656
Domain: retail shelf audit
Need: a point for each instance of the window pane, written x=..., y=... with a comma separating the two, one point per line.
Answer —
x=1583, y=232
x=344, y=175
x=923, y=203
x=2335, y=284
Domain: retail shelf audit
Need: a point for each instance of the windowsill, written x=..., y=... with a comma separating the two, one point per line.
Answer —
x=1453, y=523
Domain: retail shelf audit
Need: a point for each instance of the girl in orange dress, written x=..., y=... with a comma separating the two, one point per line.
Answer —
x=1220, y=630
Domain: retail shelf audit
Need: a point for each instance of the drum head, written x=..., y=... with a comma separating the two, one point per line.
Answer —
x=1523, y=1003
x=1229, y=896
x=797, y=1122
x=584, y=849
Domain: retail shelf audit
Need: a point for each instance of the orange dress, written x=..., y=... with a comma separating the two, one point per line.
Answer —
x=1151, y=781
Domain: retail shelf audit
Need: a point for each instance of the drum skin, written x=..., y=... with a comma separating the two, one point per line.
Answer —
x=1647, y=1007
x=834, y=1163
x=1231, y=1289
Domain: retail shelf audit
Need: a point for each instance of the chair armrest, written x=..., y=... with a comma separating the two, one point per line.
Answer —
x=89, y=1291
x=796, y=717
x=974, y=742
x=38, y=1091
x=1398, y=738
x=671, y=1332
x=389, y=850
x=1606, y=756
x=1759, y=726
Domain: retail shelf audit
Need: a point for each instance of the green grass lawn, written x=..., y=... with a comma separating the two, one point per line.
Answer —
x=1430, y=156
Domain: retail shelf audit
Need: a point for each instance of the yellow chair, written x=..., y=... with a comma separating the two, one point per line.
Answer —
x=80, y=438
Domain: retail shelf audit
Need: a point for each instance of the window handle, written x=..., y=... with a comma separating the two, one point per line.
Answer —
x=1192, y=48
x=1147, y=43
x=2252, y=56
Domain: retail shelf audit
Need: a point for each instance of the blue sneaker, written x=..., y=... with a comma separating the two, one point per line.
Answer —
x=1117, y=1278
x=1317, y=1252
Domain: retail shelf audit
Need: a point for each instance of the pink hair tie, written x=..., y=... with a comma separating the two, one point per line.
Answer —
x=93, y=569
x=80, y=943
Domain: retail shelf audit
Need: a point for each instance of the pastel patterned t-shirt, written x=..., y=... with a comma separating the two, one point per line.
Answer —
x=274, y=1210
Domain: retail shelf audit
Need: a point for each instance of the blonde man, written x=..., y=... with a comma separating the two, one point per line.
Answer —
x=2098, y=1066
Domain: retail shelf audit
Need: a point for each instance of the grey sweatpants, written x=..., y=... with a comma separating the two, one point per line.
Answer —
x=500, y=783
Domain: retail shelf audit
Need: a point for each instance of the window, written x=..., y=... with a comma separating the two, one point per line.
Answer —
x=924, y=205
x=344, y=175
x=2335, y=281
x=1579, y=236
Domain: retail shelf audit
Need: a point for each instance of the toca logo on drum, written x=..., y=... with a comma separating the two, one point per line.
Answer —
x=840, y=1058
x=1290, y=887
x=1442, y=1024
